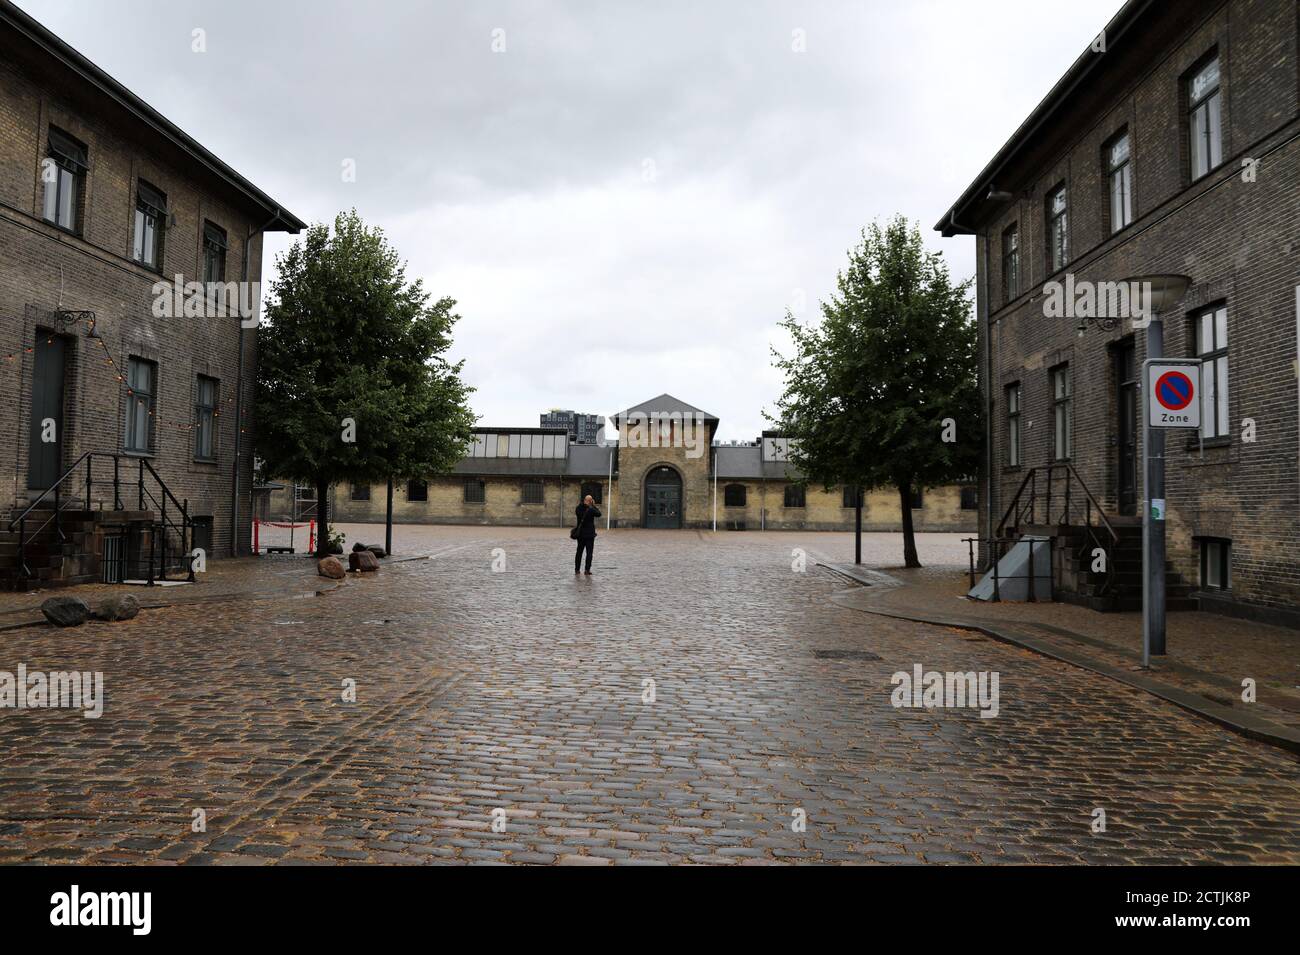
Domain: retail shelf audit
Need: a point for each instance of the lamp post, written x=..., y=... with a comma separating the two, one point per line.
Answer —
x=1160, y=292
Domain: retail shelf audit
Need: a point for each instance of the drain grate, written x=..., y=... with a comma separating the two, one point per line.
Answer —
x=844, y=655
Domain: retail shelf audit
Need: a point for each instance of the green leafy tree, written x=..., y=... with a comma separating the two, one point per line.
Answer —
x=883, y=390
x=352, y=380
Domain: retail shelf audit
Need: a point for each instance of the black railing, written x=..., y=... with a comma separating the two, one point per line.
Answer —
x=997, y=550
x=165, y=532
x=1064, y=500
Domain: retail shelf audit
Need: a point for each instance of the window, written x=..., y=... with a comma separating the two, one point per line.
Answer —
x=214, y=253
x=795, y=496
x=202, y=534
x=63, y=172
x=970, y=499
x=1212, y=350
x=475, y=491
x=205, y=419
x=150, y=222
x=417, y=491
x=360, y=492
x=1062, y=413
x=594, y=488
x=918, y=499
x=1013, y=425
x=733, y=495
x=1058, y=230
x=851, y=499
x=1216, y=564
x=1010, y=263
x=533, y=492
x=1204, y=122
x=1119, y=171
x=141, y=382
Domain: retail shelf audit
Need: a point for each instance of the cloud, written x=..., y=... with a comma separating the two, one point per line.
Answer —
x=516, y=181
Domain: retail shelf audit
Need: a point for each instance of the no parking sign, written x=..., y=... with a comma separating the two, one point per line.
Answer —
x=1174, y=390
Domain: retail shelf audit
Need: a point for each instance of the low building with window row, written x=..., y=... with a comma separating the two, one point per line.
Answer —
x=101, y=200
x=666, y=472
x=1171, y=147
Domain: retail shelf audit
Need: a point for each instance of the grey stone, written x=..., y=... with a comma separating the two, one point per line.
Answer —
x=65, y=611
x=118, y=607
x=363, y=561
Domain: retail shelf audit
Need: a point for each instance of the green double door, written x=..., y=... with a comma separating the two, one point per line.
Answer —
x=663, y=499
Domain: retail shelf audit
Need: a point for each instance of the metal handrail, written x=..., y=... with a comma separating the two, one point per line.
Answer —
x=1030, y=481
x=184, y=528
x=1016, y=512
x=52, y=489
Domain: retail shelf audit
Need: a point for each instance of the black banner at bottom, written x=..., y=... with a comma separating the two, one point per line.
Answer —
x=149, y=905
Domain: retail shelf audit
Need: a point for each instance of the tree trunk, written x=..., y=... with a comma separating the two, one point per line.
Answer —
x=857, y=525
x=322, y=518
x=909, y=534
x=388, y=519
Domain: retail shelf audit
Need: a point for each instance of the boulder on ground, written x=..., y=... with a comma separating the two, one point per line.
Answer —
x=65, y=611
x=363, y=561
x=377, y=550
x=358, y=546
x=330, y=567
x=118, y=607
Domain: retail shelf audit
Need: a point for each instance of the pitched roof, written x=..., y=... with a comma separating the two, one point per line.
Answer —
x=746, y=463
x=975, y=199
x=24, y=25
x=665, y=404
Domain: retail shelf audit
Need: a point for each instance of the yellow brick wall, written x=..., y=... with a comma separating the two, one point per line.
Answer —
x=635, y=463
x=823, y=510
x=764, y=505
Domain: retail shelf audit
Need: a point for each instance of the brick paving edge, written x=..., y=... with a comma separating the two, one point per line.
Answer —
x=1260, y=730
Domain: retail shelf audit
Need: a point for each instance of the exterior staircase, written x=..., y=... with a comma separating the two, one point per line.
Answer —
x=57, y=541
x=1053, y=502
x=1120, y=586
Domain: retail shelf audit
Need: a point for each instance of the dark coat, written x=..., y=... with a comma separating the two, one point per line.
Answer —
x=586, y=520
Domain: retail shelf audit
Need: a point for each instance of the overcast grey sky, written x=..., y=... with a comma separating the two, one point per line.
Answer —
x=626, y=198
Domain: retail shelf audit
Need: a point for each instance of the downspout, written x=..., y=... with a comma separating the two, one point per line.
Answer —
x=981, y=318
x=239, y=388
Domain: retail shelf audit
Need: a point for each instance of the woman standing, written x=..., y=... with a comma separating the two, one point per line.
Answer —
x=587, y=513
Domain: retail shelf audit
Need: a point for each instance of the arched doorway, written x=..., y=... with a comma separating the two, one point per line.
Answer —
x=663, y=498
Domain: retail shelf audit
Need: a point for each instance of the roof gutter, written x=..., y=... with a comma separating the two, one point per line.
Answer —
x=1045, y=111
x=30, y=28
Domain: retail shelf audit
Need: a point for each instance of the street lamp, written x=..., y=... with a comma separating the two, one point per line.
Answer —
x=1161, y=292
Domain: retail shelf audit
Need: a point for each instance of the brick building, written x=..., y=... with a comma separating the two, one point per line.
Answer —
x=1168, y=148
x=100, y=199
x=582, y=428
x=665, y=472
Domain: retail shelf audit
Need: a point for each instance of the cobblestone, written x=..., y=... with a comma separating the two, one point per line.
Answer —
x=526, y=690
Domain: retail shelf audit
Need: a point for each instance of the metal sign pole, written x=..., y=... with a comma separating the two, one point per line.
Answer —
x=1171, y=398
x=1153, y=518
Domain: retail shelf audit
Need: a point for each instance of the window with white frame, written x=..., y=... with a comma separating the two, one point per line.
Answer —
x=1013, y=425
x=1119, y=172
x=1216, y=564
x=1204, y=120
x=1062, y=413
x=1212, y=350
x=1058, y=229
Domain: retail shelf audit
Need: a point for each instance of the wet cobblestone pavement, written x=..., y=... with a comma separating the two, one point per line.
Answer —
x=524, y=692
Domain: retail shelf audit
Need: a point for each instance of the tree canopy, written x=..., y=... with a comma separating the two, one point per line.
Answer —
x=353, y=381
x=882, y=391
